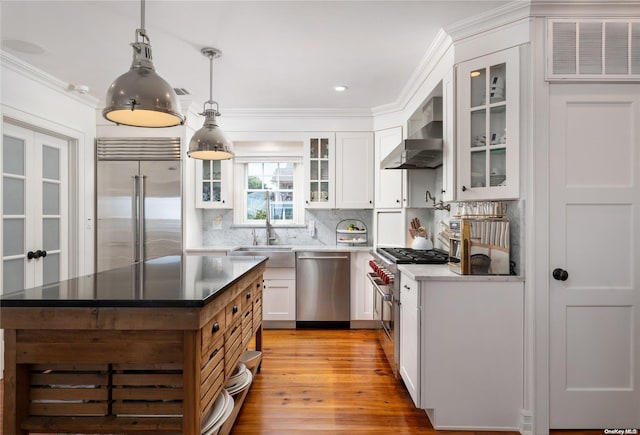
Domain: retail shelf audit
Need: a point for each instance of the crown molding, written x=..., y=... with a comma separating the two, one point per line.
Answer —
x=297, y=113
x=25, y=69
x=489, y=20
x=429, y=61
x=585, y=8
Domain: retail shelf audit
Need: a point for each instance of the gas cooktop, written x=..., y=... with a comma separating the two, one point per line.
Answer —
x=414, y=256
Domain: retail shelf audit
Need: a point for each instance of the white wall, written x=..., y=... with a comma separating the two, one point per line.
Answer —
x=34, y=99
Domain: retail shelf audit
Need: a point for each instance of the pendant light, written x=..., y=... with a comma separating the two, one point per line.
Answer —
x=140, y=97
x=210, y=142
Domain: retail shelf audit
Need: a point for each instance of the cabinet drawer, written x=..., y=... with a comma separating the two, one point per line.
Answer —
x=249, y=294
x=233, y=310
x=213, y=330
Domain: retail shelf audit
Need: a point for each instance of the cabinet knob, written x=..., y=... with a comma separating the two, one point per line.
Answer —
x=442, y=191
x=307, y=201
x=560, y=274
x=235, y=309
x=41, y=253
x=215, y=327
x=370, y=202
x=257, y=285
x=223, y=201
x=31, y=255
x=248, y=295
x=397, y=201
x=464, y=188
x=407, y=287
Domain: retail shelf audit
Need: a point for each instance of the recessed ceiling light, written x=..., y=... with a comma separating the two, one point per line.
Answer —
x=340, y=88
x=475, y=73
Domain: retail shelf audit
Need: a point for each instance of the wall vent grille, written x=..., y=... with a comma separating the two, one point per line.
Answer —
x=137, y=148
x=589, y=49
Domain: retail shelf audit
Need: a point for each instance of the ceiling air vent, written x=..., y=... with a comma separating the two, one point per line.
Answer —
x=181, y=91
x=589, y=49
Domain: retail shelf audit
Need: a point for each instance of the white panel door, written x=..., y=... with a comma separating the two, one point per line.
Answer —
x=388, y=182
x=354, y=170
x=594, y=246
x=35, y=207
x=279, y=299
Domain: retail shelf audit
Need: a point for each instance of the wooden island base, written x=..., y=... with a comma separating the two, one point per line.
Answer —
x=127, y=370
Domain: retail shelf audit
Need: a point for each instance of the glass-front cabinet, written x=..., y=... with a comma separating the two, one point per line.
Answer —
x=488, y=133
x=214, y=180
x=319, y=170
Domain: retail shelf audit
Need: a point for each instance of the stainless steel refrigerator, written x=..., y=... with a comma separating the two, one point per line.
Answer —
x=138, y=200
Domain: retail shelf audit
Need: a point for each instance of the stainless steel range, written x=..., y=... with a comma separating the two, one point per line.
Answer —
x=386, y=287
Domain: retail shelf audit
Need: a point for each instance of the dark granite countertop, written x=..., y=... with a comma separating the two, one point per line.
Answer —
x=172, y=281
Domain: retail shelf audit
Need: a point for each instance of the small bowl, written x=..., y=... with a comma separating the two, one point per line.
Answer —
x=251, y=358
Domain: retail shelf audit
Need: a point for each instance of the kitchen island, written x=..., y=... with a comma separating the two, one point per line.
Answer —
x=141, y=349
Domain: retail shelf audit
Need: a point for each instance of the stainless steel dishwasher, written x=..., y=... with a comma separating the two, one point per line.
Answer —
x=323, y=288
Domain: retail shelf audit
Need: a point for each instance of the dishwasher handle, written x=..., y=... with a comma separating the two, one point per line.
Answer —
x=324, y=258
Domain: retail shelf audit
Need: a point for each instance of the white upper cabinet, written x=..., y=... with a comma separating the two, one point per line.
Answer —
x=388, y=182
x=214, y=183
x=488, y=141
x=319, y=170
x=354, y=170
x=448, y=138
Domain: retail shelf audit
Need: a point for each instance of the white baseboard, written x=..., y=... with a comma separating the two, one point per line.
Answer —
x=526, y=422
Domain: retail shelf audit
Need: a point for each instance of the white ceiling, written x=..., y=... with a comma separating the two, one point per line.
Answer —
x=276, y=54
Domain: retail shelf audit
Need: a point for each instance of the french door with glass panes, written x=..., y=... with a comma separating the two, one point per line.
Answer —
x=34, y=208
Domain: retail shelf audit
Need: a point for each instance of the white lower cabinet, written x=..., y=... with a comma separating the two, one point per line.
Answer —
x=410, y=337
x=361, y=288
x=279, y=297
x=461, y=351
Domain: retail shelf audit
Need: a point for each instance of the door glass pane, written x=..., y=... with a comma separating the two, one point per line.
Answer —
x=478, y=128
x=216, y=196
x=50, y=198
x=324, y=192
x=216, y=173
x=314, y=170
x=313, y=188
x=12, y=155
x=51, y=234
x=324, y=148
x=206, y=191
x=324, y=170
x=12, y=237
x=478, y=87
x=498, y=83
x=50, y=268
x=478, y=169
x=206, y=170
x=50, y=163
x=12, y=196
x=498, y=165
x=497, y=124
x=12, y=275
x=313, y=150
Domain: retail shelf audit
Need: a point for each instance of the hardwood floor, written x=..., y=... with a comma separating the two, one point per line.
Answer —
x=328, y=381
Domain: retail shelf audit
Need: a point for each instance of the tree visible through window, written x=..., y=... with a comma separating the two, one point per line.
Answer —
x=275, y=179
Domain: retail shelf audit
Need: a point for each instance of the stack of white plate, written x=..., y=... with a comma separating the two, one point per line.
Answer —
x=239, y=383
x=219, y=413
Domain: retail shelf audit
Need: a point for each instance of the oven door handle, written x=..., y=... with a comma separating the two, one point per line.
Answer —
x=386, y=297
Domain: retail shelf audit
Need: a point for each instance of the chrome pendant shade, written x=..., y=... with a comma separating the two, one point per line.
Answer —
x=210, y=142
x=140, y=97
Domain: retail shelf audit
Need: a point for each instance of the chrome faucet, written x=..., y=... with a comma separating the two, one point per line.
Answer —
x=268, y=226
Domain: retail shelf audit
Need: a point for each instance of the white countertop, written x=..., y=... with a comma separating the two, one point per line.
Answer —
x=441, y=272
x=294, y=248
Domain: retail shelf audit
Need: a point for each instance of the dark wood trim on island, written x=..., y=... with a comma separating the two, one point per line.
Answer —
x=109, y=368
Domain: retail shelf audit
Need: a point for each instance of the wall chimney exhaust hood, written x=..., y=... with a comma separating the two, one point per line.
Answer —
x=423, y=149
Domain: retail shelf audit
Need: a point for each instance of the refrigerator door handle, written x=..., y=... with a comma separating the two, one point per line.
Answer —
x=141, y=235
x=135, y=199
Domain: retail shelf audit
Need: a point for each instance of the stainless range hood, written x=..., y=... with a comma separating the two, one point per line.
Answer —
x=423, y=150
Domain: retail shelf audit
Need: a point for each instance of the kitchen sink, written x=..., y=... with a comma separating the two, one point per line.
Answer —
x=279, y=256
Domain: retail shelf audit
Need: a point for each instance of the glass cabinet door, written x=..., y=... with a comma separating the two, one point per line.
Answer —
x=213, y=184
x=488, y=114
x=319, y=171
